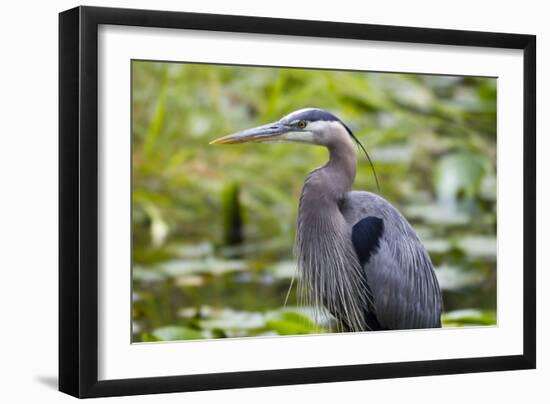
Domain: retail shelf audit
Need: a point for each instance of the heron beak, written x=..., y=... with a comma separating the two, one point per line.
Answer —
x=271, y=132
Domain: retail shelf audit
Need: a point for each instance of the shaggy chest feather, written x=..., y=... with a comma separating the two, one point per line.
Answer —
x=331, y=277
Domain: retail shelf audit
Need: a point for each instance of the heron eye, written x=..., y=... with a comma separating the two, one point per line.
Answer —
x=301, y=124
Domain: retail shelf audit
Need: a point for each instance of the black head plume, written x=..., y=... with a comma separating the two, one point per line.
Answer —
x=360, y=145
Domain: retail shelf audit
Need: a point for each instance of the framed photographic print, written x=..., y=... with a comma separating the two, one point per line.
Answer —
x=251, y=201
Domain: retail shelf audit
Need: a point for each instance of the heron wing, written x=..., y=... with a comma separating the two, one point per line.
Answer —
x=365, y=236
x=398, y=269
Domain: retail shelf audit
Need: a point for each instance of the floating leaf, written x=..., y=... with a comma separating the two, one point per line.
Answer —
x=284, y=269
x=438, y=246
x=142, y=274
x=232, y=320
x=456, y=278
x=479, y=246
x=174, y=333
x=468, y=317
x=199, y=250
x=291, y=323
x=189, y=280
x=209, y=265
x=437, y=214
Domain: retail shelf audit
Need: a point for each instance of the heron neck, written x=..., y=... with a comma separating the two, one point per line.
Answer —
x=342, y=164
x=325, y=254
x=324, y=187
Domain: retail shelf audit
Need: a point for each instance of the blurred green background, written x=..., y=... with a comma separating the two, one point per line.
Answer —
x=213, y=226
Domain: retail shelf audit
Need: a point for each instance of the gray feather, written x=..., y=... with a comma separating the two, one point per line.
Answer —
x=400, y=273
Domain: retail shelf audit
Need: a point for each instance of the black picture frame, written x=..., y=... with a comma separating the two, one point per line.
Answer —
x=78, y=200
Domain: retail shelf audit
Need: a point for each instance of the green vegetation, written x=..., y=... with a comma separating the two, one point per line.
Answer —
x=213, y=226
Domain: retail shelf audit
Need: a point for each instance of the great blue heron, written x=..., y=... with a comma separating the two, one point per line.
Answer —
x=357, y=255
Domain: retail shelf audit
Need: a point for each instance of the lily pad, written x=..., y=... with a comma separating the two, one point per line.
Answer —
x=284, y=269
x=438, y=246
x=468, y=317
x=143, y=274
x=291, y=323
x=210, y=265
x=456, y=278
x=175, y=333
x=437, y=214
x=228, y=319
x=479, y=246
x=195, y=250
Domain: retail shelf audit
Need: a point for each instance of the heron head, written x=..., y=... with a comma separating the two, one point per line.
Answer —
x=309, y=125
